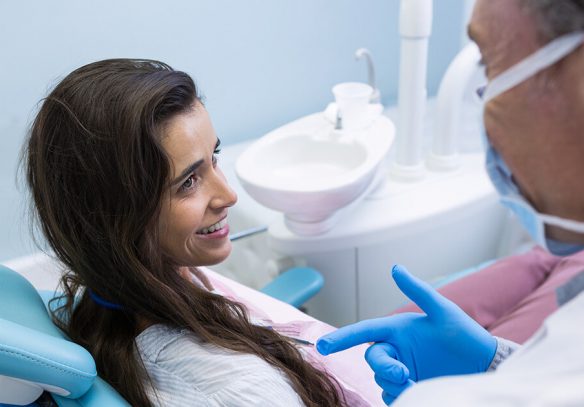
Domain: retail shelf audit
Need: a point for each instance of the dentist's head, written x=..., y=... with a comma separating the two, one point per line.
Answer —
x=533, y=117
x=121, y=163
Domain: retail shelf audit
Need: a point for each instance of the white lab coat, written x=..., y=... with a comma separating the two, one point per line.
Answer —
x=547, y=371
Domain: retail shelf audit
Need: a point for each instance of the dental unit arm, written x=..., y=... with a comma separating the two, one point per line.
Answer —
x=415, y=27
x=453, y=88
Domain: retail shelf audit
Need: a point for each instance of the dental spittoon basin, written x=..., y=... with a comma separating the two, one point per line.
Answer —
x=310, y=172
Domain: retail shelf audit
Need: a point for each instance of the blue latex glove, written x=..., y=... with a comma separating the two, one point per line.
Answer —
x=410, y=347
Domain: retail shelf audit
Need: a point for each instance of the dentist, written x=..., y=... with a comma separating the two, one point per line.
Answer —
x=534, y=130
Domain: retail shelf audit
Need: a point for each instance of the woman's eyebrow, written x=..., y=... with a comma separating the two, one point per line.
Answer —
x=187, y=171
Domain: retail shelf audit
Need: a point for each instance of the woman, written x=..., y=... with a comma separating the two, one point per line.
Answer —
x=121, y=162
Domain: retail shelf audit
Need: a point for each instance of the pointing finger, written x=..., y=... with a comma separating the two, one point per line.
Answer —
x=420, y=292
x=372, y=330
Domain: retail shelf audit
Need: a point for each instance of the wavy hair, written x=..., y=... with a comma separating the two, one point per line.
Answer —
x=97, y=173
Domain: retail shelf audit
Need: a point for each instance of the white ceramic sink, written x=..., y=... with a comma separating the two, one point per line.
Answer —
x=310, y=173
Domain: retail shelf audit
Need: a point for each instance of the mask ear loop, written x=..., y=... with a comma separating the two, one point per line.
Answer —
x=566, y=224
x=539, y=60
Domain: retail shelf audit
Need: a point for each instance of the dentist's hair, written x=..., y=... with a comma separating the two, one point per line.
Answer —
x=97, y=173
x=556, y=17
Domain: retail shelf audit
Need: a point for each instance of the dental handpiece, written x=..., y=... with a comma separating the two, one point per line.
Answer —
x=248, y=232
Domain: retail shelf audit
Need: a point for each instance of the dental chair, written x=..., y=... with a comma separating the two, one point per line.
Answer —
x=36, y=357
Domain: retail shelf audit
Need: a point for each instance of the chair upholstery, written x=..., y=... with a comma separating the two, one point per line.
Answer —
x=35, y=356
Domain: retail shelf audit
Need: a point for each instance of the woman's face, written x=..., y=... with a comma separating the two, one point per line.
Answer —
x=193, y=220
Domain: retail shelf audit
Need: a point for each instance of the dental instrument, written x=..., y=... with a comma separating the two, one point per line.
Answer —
x=248, y=232
x=299, y=341
x=294, y=339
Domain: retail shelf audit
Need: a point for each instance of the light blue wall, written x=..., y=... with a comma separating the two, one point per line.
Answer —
x=259, y=63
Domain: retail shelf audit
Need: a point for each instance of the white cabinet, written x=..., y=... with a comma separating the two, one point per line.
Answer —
x=436, y=227
x=336, y=303
x=464, y=238
x=358, y=281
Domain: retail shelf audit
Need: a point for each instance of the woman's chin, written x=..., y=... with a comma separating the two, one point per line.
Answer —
x=217, y=257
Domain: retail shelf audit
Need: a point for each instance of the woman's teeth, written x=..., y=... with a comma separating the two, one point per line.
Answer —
x=213, y=228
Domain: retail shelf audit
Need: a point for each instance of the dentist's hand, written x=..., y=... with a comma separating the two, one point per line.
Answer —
x=411, y=347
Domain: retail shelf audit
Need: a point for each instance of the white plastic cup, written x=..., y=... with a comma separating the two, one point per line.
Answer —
x=352, y=99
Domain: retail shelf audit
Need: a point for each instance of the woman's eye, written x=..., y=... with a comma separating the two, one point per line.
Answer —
x=188, y=184
x=215, y=154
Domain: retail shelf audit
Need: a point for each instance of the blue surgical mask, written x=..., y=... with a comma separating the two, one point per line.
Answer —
x=499, y=172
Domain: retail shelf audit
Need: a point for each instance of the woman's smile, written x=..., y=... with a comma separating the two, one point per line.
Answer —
x=218, y=230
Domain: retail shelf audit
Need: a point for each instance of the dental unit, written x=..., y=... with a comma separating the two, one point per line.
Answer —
x=430, y=199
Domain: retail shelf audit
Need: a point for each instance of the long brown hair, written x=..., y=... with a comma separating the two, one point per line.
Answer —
x=97, y=173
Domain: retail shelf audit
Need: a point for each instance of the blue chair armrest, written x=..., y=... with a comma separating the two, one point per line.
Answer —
x=295, y=286
x=41, y=348
x=30, y=355
x=101, y=394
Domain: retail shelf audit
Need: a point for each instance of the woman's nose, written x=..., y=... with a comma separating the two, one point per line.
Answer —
x=224, y=196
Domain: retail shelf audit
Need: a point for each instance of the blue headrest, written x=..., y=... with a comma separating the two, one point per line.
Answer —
x=20, y=302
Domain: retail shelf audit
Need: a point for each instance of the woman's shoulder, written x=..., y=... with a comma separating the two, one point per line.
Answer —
x=155, y=339
x=175, y=358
